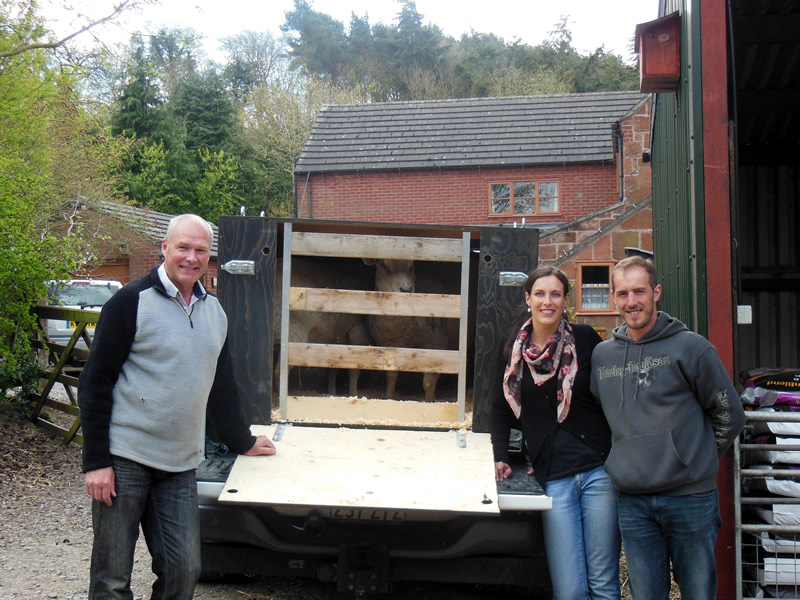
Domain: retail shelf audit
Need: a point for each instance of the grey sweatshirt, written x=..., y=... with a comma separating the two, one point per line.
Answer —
x=672, y=409
x=153, y=370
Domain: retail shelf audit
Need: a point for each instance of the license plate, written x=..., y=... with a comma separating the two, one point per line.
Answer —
x=368, y=514
x=74, y=325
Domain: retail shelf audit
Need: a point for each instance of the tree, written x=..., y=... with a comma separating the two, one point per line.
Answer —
x=26, y=10
x=141, y=115
x=253, y=59
x=174, y=56
x=52, y=152
x=317, y=41
x=218, y=189
x=278, y=124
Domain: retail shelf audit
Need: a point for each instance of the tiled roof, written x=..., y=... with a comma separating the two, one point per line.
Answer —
x=147, y=223
x=516, y=130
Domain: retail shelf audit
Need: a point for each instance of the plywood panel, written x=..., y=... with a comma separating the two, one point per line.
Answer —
x=501, y=250
x=375, y=303
x=370, y=411
x=376, y=246
x=363, y=468
x=247, y=300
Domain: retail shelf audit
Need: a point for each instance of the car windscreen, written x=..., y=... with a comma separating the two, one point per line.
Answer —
x=81, y=295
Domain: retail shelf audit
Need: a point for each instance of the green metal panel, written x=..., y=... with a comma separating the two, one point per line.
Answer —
x=678, y=202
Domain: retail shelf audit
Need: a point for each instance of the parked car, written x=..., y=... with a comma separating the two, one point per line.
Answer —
x=84, y=294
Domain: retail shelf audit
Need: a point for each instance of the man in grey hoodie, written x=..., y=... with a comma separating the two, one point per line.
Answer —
x=673, y=411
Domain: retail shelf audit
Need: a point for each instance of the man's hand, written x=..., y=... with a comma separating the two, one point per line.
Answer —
x=502, y=471
x=263, y=446
x=100, y=484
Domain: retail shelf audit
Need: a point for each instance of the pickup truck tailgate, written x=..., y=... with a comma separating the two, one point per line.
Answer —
x=385, y=469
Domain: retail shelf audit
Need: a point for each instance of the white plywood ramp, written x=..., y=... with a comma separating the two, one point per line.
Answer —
x=369, y=468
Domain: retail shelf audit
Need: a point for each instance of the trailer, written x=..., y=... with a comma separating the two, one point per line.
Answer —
x=366, y=490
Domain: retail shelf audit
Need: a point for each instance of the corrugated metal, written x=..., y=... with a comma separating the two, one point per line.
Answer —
x=679, y=244
x=769, y=258
x=767, y=66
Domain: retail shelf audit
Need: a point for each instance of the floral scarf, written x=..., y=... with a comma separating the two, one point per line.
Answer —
x=558, y=355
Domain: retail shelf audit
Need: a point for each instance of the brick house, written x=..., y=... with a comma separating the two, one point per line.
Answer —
x=131, y=241
x=570, y=165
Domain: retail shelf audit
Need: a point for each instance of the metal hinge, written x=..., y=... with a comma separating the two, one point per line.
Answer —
x=513, y=278
x=240, y=267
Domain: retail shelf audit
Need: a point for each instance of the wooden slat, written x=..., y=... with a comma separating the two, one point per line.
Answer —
x=380, y=358
x=67, y=380
x=375, y=303
x=63, y=407
x=64, y=433
x=67, y=314
x=376, y=246
x=385, y=470
x=80, y=353
x=343, y=410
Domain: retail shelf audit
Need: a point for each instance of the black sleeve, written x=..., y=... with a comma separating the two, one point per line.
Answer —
x=225, y=407
x=501, y=420
x=113, y=337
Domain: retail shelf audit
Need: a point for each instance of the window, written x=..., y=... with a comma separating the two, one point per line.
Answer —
x=594, y=288
x=523, y=198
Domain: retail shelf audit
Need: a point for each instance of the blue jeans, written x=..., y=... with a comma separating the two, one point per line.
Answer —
x=165, y=504
x=582, y=538
x=656, y=529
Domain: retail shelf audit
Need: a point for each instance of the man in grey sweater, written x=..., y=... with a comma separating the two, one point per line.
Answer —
x=673, y=412
x=158, y=362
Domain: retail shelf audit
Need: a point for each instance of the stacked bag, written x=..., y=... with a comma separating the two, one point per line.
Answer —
x=771, y=560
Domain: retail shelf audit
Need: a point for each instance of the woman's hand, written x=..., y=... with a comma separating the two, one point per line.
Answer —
x=502, y=471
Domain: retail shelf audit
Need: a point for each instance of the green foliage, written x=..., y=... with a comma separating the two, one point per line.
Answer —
x=412, y=61
x=278, y=124
x=218, y=189
x=52, y=154
x=318, y=41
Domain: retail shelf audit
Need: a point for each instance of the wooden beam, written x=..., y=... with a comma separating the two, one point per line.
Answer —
x=376, y=358
x=67, y=314
x=375, y=303
x=376, y=246
x=368, y=411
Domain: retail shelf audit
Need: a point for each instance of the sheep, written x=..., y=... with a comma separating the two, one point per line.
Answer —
x=411, y=332
x=323, y=327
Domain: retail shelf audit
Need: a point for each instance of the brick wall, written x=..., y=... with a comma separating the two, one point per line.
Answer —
x=450, y=197
x=636, y=140
x=604, y=235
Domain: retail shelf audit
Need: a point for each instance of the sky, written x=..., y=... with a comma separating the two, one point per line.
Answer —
x=593, y=23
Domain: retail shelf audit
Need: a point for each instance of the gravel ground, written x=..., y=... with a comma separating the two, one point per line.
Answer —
x=46, y=535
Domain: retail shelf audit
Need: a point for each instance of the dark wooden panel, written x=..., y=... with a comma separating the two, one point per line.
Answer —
x=509, y=249
x=247, y=300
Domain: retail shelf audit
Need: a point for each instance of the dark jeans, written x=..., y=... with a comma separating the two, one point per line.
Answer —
x=684, y=529
x=165, y=504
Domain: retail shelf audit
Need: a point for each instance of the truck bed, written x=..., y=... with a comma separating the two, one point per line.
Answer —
x=400, y=472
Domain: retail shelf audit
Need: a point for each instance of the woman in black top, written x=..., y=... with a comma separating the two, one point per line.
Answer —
x=546, y=395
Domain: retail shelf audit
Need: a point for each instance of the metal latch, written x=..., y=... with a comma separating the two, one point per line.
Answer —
x=240, y=267
x=513, y=278
x=279, y=431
